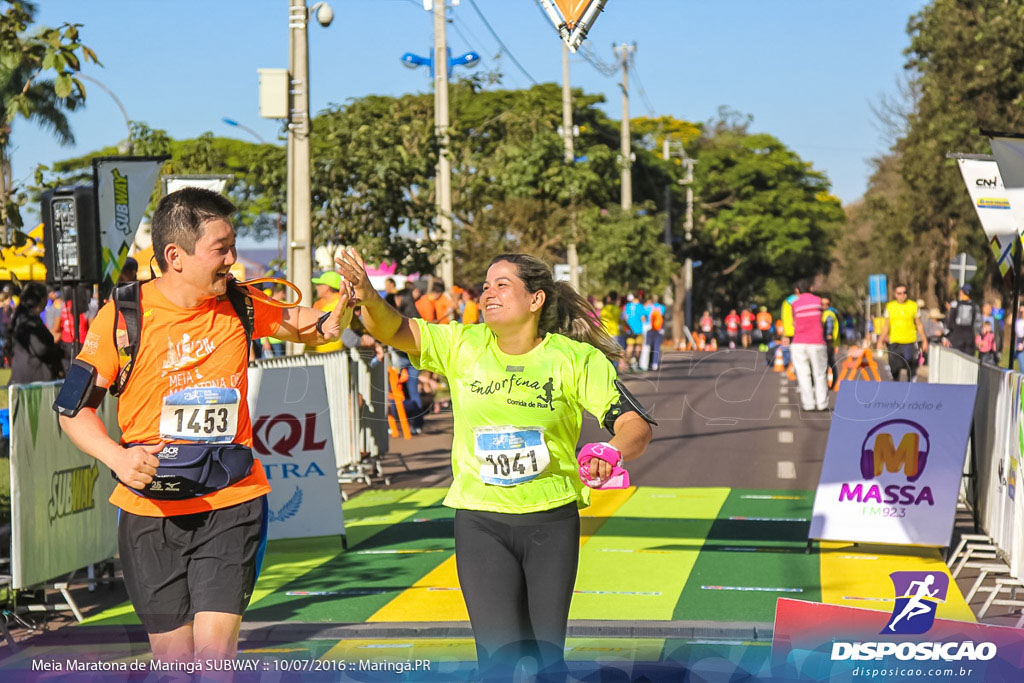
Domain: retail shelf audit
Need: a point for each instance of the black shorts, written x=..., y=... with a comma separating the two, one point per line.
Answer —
x=204, y=562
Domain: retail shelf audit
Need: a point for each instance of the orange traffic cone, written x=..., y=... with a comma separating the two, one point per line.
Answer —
x=790, y=372
x=779, y=366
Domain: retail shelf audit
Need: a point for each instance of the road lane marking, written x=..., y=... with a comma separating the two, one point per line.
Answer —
x=785, y=437
x=785, y=413
x=786, y=469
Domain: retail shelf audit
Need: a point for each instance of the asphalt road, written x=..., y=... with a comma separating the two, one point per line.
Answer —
x=724, y=419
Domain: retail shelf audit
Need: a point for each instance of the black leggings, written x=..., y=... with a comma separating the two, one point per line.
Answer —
x=517, y=573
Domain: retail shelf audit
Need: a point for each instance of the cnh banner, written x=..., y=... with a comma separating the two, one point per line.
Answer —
x=291, y=436
x=893, y=463
x=60, y=518
x=995, y=206
x=124, y=186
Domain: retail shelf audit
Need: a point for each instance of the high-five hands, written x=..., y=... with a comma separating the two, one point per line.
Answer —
x=350, y=266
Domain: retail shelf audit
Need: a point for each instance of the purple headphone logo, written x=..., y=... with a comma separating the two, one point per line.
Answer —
x=882, y=454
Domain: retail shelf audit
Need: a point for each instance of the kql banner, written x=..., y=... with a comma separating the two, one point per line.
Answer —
x=893, y=463
x=291, y=436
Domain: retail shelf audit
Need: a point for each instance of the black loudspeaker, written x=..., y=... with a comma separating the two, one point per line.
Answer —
x=71, y=235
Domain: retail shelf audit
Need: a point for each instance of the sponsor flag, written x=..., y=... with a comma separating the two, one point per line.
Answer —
x=573, y=18
x=124, y=186
x=999, y=209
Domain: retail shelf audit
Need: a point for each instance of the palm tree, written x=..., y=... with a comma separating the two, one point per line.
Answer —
x=25, y=92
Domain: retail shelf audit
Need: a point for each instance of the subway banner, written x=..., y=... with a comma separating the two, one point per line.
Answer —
x=992, y=202
x=291, y=436
x=124, y=186
x=893, y=463
x=60, y=518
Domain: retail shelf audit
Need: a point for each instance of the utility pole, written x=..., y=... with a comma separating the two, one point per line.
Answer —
x=682, y=305
x=443, y=181
x=570, y=157
x=300, y=251
x=626, y=197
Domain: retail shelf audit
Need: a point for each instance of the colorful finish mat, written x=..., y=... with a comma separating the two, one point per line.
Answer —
x=714, y=554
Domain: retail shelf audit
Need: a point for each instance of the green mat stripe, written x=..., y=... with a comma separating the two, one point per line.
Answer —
x=637, y=563
x=353, y=585
x=745, y=560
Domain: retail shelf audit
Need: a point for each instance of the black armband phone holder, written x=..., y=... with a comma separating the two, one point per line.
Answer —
x=79, y=390
x=627, y=403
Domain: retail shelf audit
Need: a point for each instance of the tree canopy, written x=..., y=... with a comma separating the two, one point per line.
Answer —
x=38, y=82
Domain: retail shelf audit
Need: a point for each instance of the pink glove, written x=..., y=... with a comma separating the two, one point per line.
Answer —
x=619, y=478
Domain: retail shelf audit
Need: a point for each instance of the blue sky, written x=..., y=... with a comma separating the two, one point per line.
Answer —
x=808, y=71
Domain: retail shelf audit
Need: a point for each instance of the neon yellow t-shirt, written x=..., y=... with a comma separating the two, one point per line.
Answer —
x=496, y=396
x=902, y=321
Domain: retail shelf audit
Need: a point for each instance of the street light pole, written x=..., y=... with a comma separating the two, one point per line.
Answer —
x=443, y=182
x=300, y=253
x=570, y=156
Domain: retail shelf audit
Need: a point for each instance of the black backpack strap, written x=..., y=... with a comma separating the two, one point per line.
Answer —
x=242, y=303
x=127, y=306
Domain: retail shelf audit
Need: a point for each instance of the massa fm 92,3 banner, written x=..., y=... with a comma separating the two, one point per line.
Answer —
x=893, y=463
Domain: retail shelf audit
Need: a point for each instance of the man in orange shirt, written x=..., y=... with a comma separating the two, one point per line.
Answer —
x=424, y=304
x=444, y=309
x=189, y=547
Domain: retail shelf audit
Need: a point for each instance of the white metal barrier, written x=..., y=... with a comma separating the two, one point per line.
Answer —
x=357, y=398
x=998, y=442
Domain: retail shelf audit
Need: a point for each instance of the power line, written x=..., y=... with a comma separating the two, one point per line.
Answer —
x=470, y=43
x=591, y=57
x=502, y=43
x=640, y=87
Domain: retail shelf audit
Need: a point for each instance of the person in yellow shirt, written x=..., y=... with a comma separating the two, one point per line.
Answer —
x=328, y=287
x=471, y=312
x=902, y=328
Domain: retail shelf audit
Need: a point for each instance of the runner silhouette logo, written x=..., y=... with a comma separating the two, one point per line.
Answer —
x=917, y=597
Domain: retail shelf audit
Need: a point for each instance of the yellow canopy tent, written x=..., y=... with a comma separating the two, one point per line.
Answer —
x=25, y=262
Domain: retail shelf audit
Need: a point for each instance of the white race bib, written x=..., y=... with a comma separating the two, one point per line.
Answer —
x=203, y=415
x=510, y=455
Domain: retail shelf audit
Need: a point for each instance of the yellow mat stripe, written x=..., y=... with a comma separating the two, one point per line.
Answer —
x=858, y=576
x=432, y=598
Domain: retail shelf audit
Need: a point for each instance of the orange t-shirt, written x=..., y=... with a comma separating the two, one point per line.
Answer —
x=180, y=348
x=442, y=308
x=426, y=309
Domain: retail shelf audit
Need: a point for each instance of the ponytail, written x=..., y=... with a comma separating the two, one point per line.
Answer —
x=565, y=311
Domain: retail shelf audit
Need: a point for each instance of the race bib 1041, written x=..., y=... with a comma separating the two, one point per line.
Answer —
x=203, y=415
x=510, y=455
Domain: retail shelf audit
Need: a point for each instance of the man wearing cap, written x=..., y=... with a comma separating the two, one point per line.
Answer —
x=963, y=322
x=328, y=287
x=902, y=329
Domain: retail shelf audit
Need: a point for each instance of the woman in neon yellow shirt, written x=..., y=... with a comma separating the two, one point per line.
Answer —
x=519, y=383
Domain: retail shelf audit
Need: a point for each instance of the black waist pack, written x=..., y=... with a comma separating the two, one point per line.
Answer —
x=192, y=470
